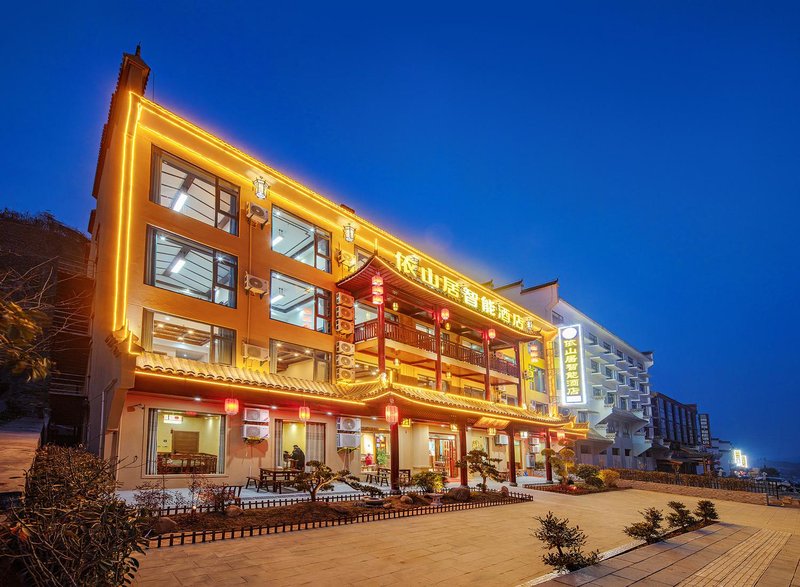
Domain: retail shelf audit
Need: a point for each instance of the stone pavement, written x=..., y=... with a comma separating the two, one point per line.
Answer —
x=721, y=554
x=490, y=546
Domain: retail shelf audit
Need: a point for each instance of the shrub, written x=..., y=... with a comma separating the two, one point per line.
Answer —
x=596, y=482
x=609, y=477
x=680, y=516
x=706, y=511
x=587, y=472
x=151, y=497
x=566, y=541
x=71, y=528
x=429, y=481
x=649, y=529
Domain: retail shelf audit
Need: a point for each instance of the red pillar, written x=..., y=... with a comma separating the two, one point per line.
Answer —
x=548, y=468
x=395, y=457
x=487, y=378
x=381, y=340
x=519, y=368
x=512, y=465
x=437, y=334
x=462, y=445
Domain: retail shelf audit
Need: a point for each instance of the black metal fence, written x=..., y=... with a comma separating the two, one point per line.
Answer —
x=770, y=488
x=202, y=536
x=259, y=503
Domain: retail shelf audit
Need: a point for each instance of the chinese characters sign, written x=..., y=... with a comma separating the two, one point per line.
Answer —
x=409, y=266
x=705, y=429
x=573, y=377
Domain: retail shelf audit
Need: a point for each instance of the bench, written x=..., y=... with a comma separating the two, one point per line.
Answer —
x=279, y=484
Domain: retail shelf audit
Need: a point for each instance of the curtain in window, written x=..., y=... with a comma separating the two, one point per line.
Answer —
x=277, y=434
x=221, y=459
x=151, y=462
x=315, y=442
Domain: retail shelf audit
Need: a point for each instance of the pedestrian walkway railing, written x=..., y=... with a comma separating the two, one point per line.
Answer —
x=770, y=488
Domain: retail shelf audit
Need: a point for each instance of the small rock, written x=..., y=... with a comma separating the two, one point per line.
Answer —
x=165, y=525
x=504, y=491
x=406, y=499
x=233, y=510
x=459, y=494
x=387, y=506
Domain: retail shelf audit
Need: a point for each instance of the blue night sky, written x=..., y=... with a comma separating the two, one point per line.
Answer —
x=644, y=153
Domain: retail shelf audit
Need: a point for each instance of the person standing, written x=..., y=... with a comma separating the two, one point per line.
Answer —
x=299, y=458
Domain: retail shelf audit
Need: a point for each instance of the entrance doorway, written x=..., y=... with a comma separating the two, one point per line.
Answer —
x=443, y=453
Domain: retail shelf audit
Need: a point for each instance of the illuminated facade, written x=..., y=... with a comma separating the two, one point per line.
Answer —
x=237, y=314
x=604, y=382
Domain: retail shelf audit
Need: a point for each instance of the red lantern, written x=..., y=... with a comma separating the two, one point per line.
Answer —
x=304, y=414
x=491, y=334
x=392, y=414
x=444, y=314
x=377, y=290
x=231, y=406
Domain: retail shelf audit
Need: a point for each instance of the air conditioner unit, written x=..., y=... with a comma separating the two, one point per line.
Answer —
x=255, y=431
x=343, y=299
x=256, y=214
x=255, y=285
x=348, y=424
x=346, y=361
x=345, y=313
x=501, y=439
x=345, y=348
x=343, y=374
x=344, y=327
x=348, y=440
x=255, y=415
x=251, y=351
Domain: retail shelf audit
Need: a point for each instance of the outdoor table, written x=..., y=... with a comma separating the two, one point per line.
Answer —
x=404, y=473
x=270, y=476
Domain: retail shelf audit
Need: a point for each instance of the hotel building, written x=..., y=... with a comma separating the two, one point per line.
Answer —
x=681, y=437
x=612, y=382
x=237, y=313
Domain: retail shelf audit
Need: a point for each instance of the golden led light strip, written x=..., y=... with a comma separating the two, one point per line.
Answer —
x=215, y=141
x=119, y=223
x=129, y=215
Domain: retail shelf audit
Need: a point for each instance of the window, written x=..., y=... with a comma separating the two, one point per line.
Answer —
x=362, y=256
x=621, y=377
x=298, y=361
x=557, y=318
x=300, y=240
x=585, y=450
x=537, y=380
x=183, y=266
x=615, y=452
x=619, y=353
x=299, y=303
x=595, y=367
x=187, y=339
x=627, y=452
x=195, y=193
x=474, y=392
x=583, y=416
x=639, y=366
x=425, y=381
x=185, y=443
x=606, y=346
x=592, y=338
x=609, y=373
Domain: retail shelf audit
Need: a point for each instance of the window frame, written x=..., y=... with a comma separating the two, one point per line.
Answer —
x=320, y=293
x=315, y=356
x=148, y=330
x=318, y=231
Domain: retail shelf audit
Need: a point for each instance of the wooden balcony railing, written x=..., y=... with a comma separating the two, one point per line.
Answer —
x=426, y=342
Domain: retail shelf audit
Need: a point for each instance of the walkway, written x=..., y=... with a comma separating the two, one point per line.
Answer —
x=486, y=546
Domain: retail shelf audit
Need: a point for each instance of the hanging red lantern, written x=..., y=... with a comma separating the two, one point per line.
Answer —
x=444, y=314
x=377, y=290
x=231, y=406
x=491, y=334
x=392, y=414
x=304, y=414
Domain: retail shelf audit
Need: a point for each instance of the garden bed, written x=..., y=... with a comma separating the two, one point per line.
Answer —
x=212, y=526
x=577, y=489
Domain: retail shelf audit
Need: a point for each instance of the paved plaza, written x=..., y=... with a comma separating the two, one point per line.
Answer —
x=490, y=546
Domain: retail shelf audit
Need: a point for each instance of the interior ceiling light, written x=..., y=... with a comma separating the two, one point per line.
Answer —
x=278, y=238
x=177, y=263
x=180, y=201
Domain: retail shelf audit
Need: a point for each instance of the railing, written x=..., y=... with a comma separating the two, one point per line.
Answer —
x=706, y=481
x=68, y=383
x=427, y=342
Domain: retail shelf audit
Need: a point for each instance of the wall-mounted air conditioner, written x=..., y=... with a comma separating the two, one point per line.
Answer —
x=257, y=353
x=345, y=313
x=258, y=215
x=348, y=440
x=343, y=374
x=255, y=431
x=348, y=424
x=343, y=299
x=345, y=348
x=501, y=439
x=346, y=361
x=255, y=285
x=258, y=415
x=344, y=327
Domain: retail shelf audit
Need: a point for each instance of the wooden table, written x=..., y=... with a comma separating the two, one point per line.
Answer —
x=275, y=477
x=404, y=473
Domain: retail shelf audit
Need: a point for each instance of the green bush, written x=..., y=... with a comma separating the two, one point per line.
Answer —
x=566, y=541
x=609, y=477
x=595, y=482
x=649, y=529
x=429, y=481
x=680, y=516
x=587, y=472
x=706, y=511
x=71, y=528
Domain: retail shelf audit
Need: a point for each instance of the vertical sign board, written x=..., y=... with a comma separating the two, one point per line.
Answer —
x=737, y=458
x=705, y=429
x=573, y=374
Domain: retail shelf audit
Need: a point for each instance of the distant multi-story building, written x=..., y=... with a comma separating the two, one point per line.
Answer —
x=615, y=380
x=723, y=455
x=678, y=437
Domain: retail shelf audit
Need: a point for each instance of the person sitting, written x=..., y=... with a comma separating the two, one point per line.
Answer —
x=368, y=461
x=299, y=458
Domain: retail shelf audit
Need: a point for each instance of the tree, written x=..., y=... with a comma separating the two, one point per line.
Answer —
x=322, y=478
x=706, y=511
x=589, y=474
x=429, y=481
x=649, y=529
x=566, y=541
x=562, y=461
x=478, y=462
x=680, y=516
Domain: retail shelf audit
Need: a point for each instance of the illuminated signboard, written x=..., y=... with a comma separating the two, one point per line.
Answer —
x=573, y=375
x=744, y=461
x=738, y=458
x=457, y=291
x=705, y=429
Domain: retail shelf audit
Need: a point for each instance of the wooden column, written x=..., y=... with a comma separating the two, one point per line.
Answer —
x=517, y=354
x=395, y=458
x=381, y=339
x=548, y=468
x=512, y=465
x=437, y=334
x=487, y=378
x=462, y=445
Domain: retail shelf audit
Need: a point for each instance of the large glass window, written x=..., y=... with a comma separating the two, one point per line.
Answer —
x=298, y=361
x=183, y=266
x=185, y=443
x=187, y=339
x=299, y=303
x=300, y=240
x=195, y=193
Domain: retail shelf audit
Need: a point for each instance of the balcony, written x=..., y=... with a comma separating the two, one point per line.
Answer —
x=427, y=342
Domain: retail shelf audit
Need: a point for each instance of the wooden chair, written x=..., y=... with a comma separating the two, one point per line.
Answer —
x=233, y=493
